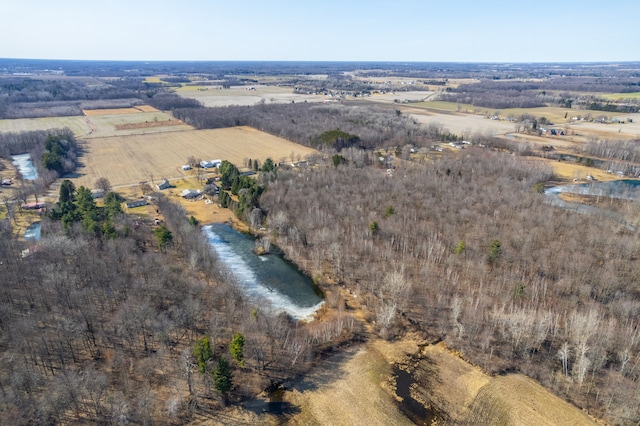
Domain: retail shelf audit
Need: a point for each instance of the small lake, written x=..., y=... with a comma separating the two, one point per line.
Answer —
x=25, y=165
x=264, y=279
x=32, y=232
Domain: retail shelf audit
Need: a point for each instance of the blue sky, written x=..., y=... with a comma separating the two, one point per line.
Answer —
x=329, y=30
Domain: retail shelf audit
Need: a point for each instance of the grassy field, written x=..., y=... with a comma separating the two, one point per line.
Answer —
x=241, y=95
x=621, y=96
x=446, y=106
x=123, y=124
x=554, y=114
x=115, y=111
x=101, y=122
x=471, y=397
x=77, y=124
x=127, y=160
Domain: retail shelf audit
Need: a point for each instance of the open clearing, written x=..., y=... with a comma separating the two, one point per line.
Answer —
x=105, y=125
x=114, y=111
x=577, y=132
x=350, y=388
x=102, y=123
x=127, y=160
x=77, y=124
x=356, y=387
x=211, y=96
x=469, y=396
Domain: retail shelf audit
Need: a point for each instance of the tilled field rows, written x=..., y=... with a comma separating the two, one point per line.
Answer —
x=127, y=160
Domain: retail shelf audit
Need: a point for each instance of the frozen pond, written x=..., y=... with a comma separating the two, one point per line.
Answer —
x=267, y=279
x=626, y=189
x=25, y=165
x=32, y=232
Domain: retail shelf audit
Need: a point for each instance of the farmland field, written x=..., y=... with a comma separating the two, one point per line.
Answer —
x=106, y=125
x=445, y=115
x=77, y=124
x=621, y=96
x=127, y=160
x=241, y=95
x=114, y=111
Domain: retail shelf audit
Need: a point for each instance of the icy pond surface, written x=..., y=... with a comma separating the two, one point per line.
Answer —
x=267, y=279
x=25, y=165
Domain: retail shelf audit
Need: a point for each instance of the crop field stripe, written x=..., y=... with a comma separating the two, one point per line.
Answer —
x=111, y=111
x=127, y=160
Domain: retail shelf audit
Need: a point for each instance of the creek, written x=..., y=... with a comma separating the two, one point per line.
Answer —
x=417, y=412
x=25, y=166
x=266, y=279
x=623, y=189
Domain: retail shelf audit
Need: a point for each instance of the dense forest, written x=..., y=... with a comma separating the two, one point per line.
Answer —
x=140, y=324
x=465, y=249
x=305, y=123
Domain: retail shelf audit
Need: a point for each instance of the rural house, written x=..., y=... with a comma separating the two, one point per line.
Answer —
x=164, y=184
x=190, y=194
x=136, y=203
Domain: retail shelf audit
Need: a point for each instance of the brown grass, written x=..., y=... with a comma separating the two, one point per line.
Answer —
x=347, y=389
x=110, y=111
x=146, y=108
x=149, y=125
x=469, y=396
x=131, y=124
x=77, y=124
x=127, y=160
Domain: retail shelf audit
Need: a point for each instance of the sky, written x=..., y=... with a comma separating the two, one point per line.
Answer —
x=328, y=30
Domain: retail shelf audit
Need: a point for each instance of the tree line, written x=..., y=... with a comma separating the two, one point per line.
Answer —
x=307, y=123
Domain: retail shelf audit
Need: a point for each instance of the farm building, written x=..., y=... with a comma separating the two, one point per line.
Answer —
x=136, y=203
x=164, y=184
x=190, y=194
x=210, y=164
